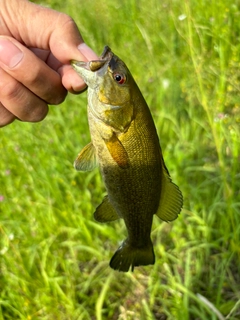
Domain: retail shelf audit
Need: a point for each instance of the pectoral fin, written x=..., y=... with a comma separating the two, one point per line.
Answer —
x=105, y=212
x=86, y=160
x=117, y=151
x=171, y=199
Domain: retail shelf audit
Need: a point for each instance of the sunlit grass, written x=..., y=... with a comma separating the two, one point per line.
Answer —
x=53, y=255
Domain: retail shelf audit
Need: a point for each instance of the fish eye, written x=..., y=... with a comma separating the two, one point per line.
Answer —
x=120, y=78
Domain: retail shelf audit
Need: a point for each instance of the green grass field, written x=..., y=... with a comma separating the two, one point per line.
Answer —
x=185, y=56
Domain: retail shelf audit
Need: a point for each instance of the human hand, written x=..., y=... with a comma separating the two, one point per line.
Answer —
x=36, y=46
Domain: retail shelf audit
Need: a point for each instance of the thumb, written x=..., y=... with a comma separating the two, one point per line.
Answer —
x=47, y=29
x=66, y=43
x=43, y=28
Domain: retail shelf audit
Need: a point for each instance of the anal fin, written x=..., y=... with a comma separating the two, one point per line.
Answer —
x=105, y=212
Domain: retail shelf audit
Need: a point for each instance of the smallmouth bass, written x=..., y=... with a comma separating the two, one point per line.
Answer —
x=125, y=145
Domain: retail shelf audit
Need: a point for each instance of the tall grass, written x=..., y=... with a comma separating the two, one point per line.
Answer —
x=53, y=255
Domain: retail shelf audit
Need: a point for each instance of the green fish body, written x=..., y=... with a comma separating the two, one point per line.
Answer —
x=126, y=147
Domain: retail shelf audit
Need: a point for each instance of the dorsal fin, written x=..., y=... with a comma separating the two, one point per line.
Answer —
x=171, y=199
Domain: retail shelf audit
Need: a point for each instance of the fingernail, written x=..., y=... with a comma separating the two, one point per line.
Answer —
x=10, y=55
x=87, y=52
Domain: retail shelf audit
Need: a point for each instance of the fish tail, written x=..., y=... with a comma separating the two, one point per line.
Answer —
x=128, y=256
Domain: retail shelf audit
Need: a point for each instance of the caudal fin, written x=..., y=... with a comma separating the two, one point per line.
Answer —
x=127, y=256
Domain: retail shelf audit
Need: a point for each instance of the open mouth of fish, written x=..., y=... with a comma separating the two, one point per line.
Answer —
x=90, y=70
x=94, y=65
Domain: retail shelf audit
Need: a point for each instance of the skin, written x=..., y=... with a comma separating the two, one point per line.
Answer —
x=36, y=46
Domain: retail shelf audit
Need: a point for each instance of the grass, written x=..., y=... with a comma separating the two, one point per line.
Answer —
x=185, y=56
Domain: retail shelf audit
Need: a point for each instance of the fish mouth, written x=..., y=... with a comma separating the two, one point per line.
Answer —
x=94, y=65
x=88, y=70
x=107, y=53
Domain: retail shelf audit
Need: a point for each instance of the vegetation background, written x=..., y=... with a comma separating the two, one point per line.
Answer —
x=185, y=56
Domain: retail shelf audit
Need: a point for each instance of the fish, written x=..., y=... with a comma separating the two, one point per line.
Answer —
x=125, y=145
